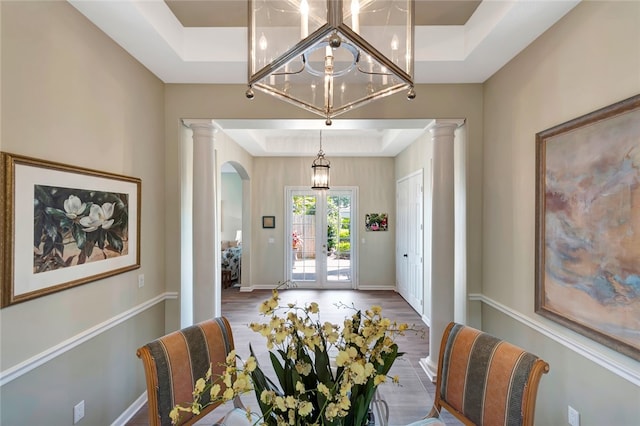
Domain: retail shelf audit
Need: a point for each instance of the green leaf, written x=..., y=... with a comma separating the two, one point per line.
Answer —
x=323, y=367
x=79, y=235
x=279, y=370
x=115, y=241
x=260, y=384
x=55, y=213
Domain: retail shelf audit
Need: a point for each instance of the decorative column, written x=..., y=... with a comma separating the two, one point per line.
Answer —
x=442, y=239
x=205, y=268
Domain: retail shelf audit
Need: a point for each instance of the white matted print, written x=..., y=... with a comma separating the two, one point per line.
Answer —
x=64, y=226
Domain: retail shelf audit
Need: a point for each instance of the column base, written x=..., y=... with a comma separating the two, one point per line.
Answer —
x=429, y=368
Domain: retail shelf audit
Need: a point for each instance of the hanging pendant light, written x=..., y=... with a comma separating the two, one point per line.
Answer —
x=320, y=166
x=330, y=56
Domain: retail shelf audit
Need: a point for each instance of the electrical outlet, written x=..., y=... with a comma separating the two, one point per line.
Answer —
x=140, y=280
x=78, y=412
x=573, y=416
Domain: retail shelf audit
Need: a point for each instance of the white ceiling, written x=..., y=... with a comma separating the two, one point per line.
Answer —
x=469, y=52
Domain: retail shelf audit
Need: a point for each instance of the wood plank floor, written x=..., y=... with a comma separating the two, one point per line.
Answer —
x=408, y=402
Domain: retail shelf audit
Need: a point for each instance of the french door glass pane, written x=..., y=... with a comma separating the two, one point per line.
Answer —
x=339, y=237
x=303, y=238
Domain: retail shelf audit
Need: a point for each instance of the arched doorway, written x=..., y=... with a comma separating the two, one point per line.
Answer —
x=234, y=235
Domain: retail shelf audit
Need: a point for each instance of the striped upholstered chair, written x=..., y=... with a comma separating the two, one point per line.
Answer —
x=485, y=381
x=174, y=362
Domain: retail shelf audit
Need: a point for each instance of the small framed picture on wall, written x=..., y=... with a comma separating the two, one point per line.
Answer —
x=268, y=221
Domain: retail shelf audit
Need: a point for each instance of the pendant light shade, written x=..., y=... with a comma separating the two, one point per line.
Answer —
x=320, y=166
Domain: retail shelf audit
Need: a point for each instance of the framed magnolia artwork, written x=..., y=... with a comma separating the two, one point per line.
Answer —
x=588, y=225
x=64, y=226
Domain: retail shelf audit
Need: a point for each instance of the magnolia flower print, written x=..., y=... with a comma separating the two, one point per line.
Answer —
x=74, y=207
x=98, y=216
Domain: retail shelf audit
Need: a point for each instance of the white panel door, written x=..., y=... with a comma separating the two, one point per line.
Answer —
x=409, y=238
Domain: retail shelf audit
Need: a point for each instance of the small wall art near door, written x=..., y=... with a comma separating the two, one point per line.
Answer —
x=63, y=226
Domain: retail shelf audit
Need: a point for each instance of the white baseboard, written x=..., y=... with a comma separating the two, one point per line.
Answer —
x=133, y=409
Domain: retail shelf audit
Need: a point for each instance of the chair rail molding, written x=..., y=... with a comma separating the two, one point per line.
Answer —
x=24, y=367
x=590, y=352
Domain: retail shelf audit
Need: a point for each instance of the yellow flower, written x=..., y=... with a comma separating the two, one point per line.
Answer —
x=380, y=378
x=346, y=356
x=313, y=308
x=345, y=403
x=228, y=394
x=242, y=384
x=250, y=365
x=215, y=390
x=200, y=384
x=332, y=411
x=359, y=376
x=377, y=310
x=305, y=408
x=227, y=380
x=303, y=368
x=231, y=358
x=195, y=408
x=396, y=379
x=323, y=389
x=281, y=336
x=267, y=396
x=279, y=402
x=290, y=402
x=174, y=415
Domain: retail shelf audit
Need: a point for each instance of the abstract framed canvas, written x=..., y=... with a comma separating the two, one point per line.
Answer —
x=63, y=226
x=588, y=225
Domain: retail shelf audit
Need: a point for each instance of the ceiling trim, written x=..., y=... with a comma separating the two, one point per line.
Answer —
x=468, y=53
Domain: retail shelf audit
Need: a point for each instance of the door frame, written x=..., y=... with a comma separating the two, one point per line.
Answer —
x=354, y=236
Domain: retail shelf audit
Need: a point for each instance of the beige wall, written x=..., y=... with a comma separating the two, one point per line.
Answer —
x=228, y=101
x=376, y=193
x=588, y=60
x=69, y=94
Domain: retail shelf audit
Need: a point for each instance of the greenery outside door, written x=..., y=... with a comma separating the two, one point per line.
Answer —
x=320, y=229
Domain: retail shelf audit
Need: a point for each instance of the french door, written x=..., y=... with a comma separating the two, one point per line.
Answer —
x=321, y=225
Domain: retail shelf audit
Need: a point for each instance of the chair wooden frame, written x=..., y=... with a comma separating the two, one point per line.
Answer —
x=485, y=381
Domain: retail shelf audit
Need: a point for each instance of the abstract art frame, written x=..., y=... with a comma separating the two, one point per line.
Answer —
x=63, y=226
x=588, y=225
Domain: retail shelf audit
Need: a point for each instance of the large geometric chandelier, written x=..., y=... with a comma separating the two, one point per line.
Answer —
x=330, y=56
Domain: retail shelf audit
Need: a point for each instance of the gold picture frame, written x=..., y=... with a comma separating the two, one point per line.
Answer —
x=63, y=226
x=588, y=225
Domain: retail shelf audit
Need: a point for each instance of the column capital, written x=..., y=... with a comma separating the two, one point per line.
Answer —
x=445, y=126
x=204, y=127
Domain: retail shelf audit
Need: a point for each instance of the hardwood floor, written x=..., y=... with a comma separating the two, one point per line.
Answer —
x=407, y=403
